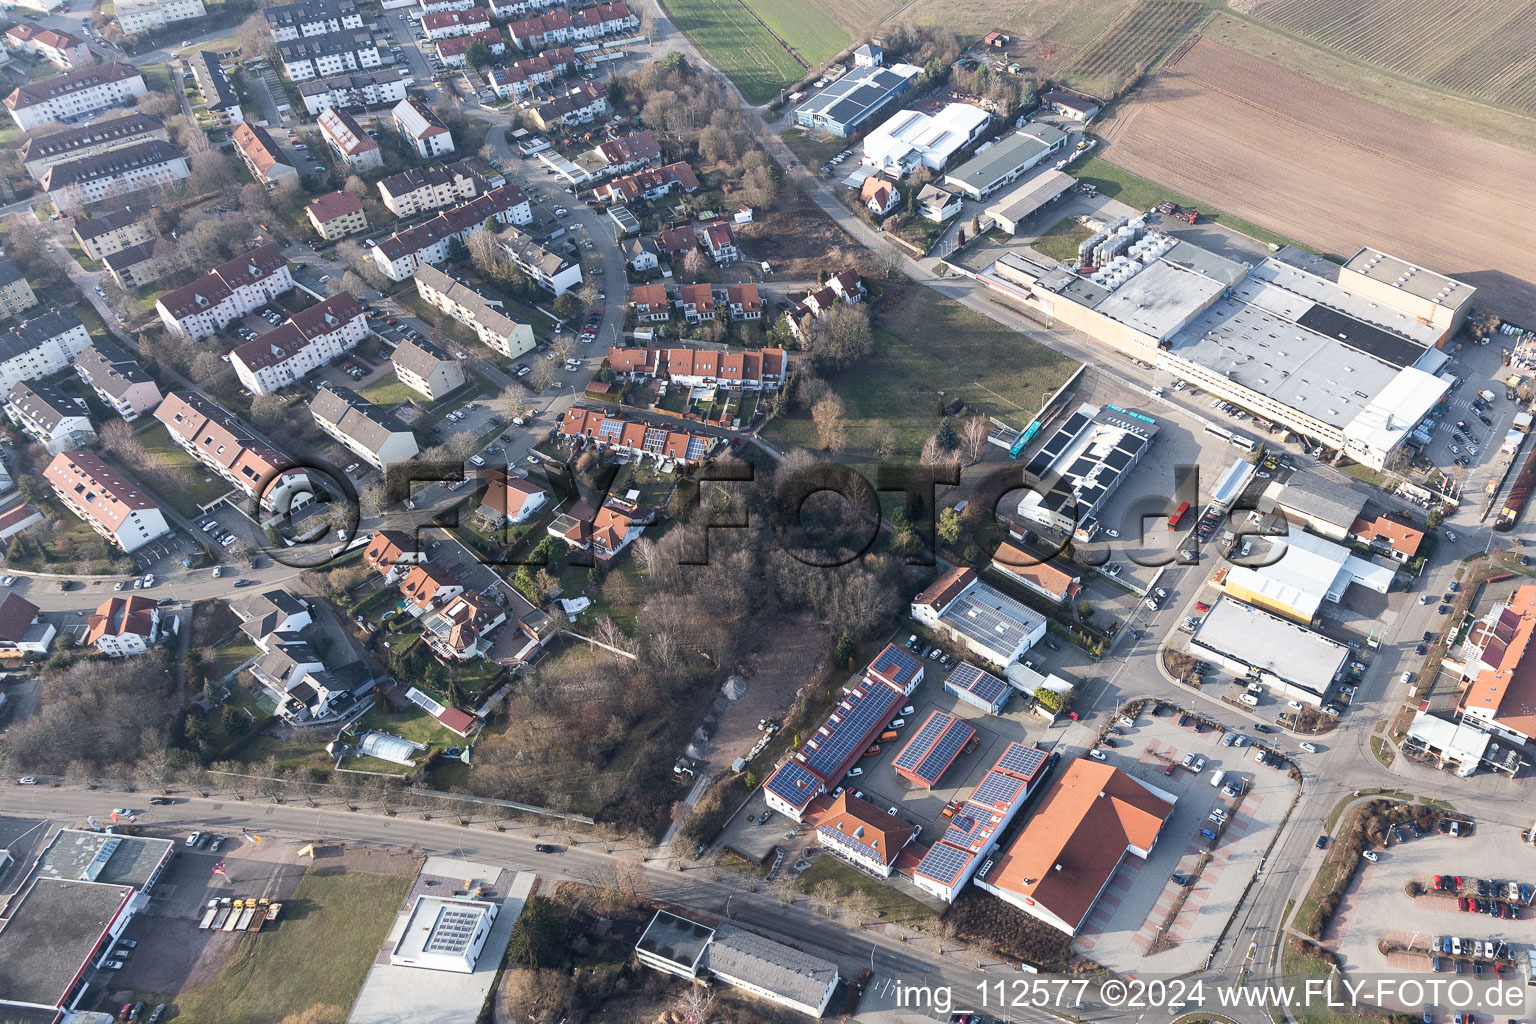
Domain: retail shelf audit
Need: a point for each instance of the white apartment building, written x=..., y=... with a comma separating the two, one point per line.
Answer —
x=50, y=417
x=118, y=379
x=124, y=627
x=305, y=341
x=426, y=369
x=353, y=146
x=476, y=311
x=335, y=53
x=420, y=189
x=136, y=17
x=228, y=291
x=312, y=18
x=353, y=92
x=366, y=431
x=226, y=446
x=451, y=24
x=119, y=172
x=74, y=93
x=398, y=256
x=108, y=501
x=419, y=126
x=40, y=346
x=553, y=272
x=41, y=152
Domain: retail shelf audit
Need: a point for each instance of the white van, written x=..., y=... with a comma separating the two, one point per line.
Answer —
x=1217, y=779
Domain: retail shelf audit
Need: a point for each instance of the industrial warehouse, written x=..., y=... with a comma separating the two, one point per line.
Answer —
x=1350, y=357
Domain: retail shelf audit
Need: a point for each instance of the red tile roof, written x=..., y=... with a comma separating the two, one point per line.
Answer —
x=120, y=616
x=335, y=204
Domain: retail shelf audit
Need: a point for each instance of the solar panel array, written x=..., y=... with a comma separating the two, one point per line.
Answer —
x=794, y=783
x=997, y=789
x=855, y=844
x=945, y=751
x=1021, y=759
x=869, y=712
x=985, y=686
x=695, y=448
x=453, y=930
x=610, y=428
x=895, y=664
x=943, y=862
x=991, y=617
x=1058, y=443
x=923, y=740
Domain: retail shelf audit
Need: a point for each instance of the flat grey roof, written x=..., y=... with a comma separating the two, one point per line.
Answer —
x=991, y=617
x=675, y=938
x=1160, y=299
x=1032, y=195
x=1319, y=497
x=1410, y=277
x=50, y=934
x=1204, y=261
x=1006, y=155
x=129, y=860
x=770, y=965
x=1285, y=649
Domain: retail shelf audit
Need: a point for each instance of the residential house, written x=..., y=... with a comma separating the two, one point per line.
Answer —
x=312, y=18
x=391, y=553
x=41, y=152
x=721, y=242
x=16, y=295
x=650, y=183
x=697, y=301
x=123, y=627
x=454, y=52
x=541, y=32
x=118, y=229
x=218, y=93
x=1395, y=539
x=650, y=303
x=847, y=285
x=508, y=500
x=551, y=271
x=367, y=431
x=137, y=17
x=420, y=189
x=435, y=6
x=630, y=153
x=642, y=255
x=329, y=55
x=868, y=55
x=512, y=10
x=938, y=204
x=984, y=621
x=616, y=524
x=22, y=630
x=39, y=346
x=588, y=23
x=135, y=266
x=261, y=154
x=420, y=126
x=118, y=380
x=273, y=617
x=863, y=835
x=226, y=446
x=336, y=215
x=61, y=49
x=49, y=416
x=81, y=91
x=1046, y=578
x=93, y=179
x=17, y=519
x=519, y=80
x=579, y=104
x=879, y=196
x=480, y=313
x=305, y=341
x=675, y=242
x=378, y=87
x=399, y=255
x=450, y=24
x=633, y=437
x=426, y=369
x=744, y=301
x=354, y=147
x=107, y=500
x=460, y=629
x=427, y=586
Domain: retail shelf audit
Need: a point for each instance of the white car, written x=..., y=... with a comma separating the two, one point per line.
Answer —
x=1294, y=705
x=854, y=773
x=1310, y=748
x=1371, y=855
x=26, y=780
x=149, y=579
x=1097, y=754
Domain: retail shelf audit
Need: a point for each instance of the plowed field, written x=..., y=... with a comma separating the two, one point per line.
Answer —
x=1311, y=163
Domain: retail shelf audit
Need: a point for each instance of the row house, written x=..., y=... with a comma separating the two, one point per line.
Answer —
x=438, y=6
x=82, y=91
x=336, y=215
x=545, y=30
x=42, y=345
x=426, y=369
x=61, y=49
x=590, y=23
x=581, y=104
x=549, y=270
x=720, y=240
x=513, y=10
x=136, y=17
x=630, y=153
x=118, y=172
x=353, y=146
x=382, y=87
x=115, y=230
x=118, y=380
x=135, y=266
x=225, y=445
x=400, y=255
x=261, y=154
x=41, y=152
x=364, y=429
x=50, y=417
x=420, y=189
x=455, y=52
x=391, y=553
x=478, y=312
x=650, y=303
x=696, y=367
x=312, y=18
x=652, y=183
x=218, y=92
x=633, y=437
x=107, y=500
x=518, y=81
x=16, y=295
x=227, y=292
x=420, y=126
x=450, y=24
x=611, y=529
x=334, y=53
x=305, y=341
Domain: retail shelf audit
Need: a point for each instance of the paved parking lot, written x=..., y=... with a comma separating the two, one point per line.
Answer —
x=1139, y=924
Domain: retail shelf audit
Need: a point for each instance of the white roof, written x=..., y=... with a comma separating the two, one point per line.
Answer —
x=1397, y=408
x=1455, y=740
x=1306, y=570
x=1282, y=648
x=931, y=138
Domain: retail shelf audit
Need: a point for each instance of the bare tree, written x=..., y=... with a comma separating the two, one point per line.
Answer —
x=885, y=442
x=118, y=438
x=484, y=252
x=373, y=500
x=973, y=439
x=543, y=374
x=512, y=402
x=696, y=1004
x=462, y=445
x=695, y=264
x=831, y=426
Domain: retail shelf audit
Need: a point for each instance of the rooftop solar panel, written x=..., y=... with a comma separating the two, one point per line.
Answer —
x=869, y=712
x=896, y=664
x=997, y=789
x=971, y=679
x=944, y=863
x=1021, y=759
x=849, y=841
x=944, y=751
x=923, y=740
x=783, y=783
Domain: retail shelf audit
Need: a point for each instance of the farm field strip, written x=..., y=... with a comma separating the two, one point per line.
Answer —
x=1480, y=48
x=809, y=32
x=1335, y=172
x=736, y=43
x=1136, y=39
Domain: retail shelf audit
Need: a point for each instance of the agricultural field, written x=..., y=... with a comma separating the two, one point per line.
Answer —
x=858, y=18
x=737, y=43
x=1132, y=45
x=808, y=31
x=1225, y=129
x=1049, y=34
x=1485, y=49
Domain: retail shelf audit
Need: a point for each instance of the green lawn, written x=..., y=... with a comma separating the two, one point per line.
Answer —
x=280, y=970
x=388, y=391
x=1299, y=968
x=1060, y=241
x=892, y=905
x=814, y=148
x=926, y=344
x=736, y=43
x=231, y=653
x=202, y=485
x=414, y=725
x=1143, y=195
x=809, y=32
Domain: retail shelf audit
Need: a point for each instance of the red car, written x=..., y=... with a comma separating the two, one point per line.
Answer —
x=1201, y=606
x=1461, y=903
x=1168, y=769
x=1439, y=882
